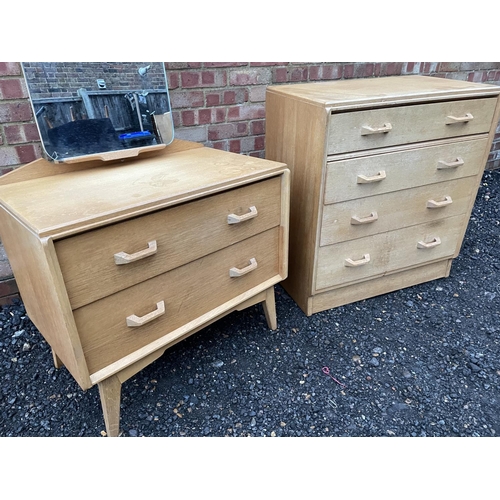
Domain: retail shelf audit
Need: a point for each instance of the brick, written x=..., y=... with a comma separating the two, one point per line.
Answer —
x=205, y=116
x=300, y=74
x=172, y=80
x=10, y=69
x=194, y=134
x=187, y=99
x=258, y=127
x=429, y=67
x=221, y=145
x=177, y=119
x=224, y=131
x=468, y=66
x=348, y=71
x=246, y=112
x=190, y=79
x=17, y=134
x=13, y=88
x=233, y=113
x=8, y=156
x=200, y=79
x=392, y=68
x=332, y=72
x=220, y=115
x=213, y=78
x=449, y=66
x=363, y=70
x=493, y=76
x=249, y=144
x=254, y=76
x=314, y=73
x=235, y=146
x=259, y=143
x=242, y=128
x=280, y=75
x=28, y=153
x=188, y=118
x=236, y=96
x=257, y=94
x=213, y=99
x=15, y=112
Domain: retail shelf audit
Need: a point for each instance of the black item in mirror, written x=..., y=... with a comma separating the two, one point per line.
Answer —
x=99, y=110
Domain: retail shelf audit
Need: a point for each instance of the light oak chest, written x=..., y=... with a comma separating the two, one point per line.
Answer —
x=117, y=263
x=384, y=176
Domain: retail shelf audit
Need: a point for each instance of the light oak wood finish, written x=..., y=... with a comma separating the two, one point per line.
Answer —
x=116, y=262
x=384, y=176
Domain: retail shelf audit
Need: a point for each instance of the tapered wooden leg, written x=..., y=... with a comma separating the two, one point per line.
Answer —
x=269, y=306
x=110, y=391
x=57, y=362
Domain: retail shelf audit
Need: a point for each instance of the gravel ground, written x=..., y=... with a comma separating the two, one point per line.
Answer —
x=422, y=361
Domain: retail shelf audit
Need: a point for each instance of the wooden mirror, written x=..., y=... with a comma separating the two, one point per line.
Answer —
x=106, y=110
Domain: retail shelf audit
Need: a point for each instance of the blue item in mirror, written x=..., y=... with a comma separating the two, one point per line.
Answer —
x=136, y=139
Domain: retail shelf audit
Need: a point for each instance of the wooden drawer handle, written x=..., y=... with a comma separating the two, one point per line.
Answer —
x=363, y=179
x=434, y=243
x=450, y=164
x=234, y=272
x=125, y=258
x=355, y=220
x=367, y=130
x=236, y=219
x=439, y=204
x=135, y=321
x=450, y=120
x=356, y=263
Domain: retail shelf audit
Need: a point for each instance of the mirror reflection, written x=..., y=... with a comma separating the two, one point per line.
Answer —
x=106, y=110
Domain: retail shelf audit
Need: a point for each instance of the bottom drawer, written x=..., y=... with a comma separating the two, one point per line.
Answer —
x=387, y=252
x=186, y=293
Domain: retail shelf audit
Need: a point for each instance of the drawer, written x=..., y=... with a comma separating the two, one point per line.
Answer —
x=377, y=214
x=377, y=128
x=387, y=252
x=383, y=173
x=187, y=292
x=178, y=235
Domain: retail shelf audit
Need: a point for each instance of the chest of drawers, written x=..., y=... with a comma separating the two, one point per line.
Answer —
x=384, y=176
x=117, y=263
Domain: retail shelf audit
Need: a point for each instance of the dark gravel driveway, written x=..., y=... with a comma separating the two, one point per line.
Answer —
x=423, y=361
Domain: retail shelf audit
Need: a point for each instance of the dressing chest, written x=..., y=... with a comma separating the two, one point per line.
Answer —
x=384, y=174
x=118, y=261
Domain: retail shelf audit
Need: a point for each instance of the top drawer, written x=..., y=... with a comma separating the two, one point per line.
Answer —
x=163, y=240
x=376, y=128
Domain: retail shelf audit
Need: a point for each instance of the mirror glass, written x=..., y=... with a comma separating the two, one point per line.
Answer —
x=99, y=110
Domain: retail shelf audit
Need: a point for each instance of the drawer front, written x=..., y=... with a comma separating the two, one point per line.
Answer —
x=378, y=174
x=386, y=212
x=382, y=253
x=377, y=128
x=178, y=235
x=187, y=292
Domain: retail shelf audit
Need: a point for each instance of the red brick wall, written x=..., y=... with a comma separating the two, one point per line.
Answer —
x=222, y=105
x=19, y=140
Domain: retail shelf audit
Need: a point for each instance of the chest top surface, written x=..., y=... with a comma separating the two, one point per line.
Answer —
x=393, y=89
x=77, y=200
